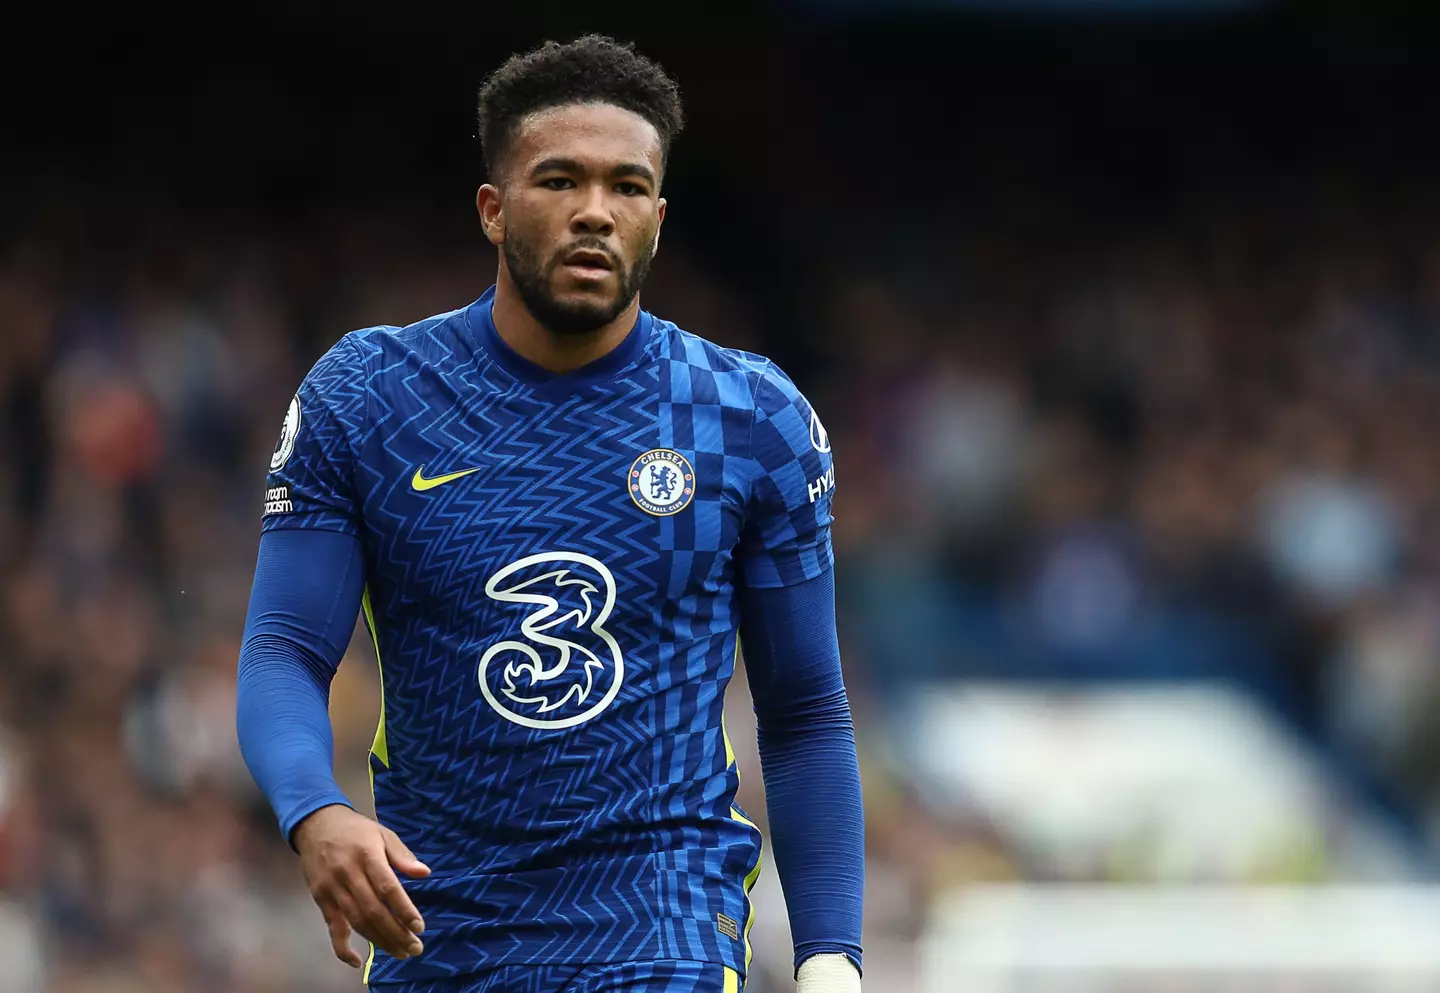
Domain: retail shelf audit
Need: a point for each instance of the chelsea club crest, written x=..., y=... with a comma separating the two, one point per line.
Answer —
x=661, y=482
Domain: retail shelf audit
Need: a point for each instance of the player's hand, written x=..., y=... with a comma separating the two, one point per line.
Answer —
x=347, y=859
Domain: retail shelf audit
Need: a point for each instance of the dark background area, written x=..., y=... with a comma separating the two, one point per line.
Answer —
x=806, y=122
x=285, y=109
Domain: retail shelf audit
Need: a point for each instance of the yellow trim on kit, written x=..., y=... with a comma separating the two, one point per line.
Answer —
x=379, y=748
x=724, y=732
x=754, y=873
x=750, y=881
x=732, y=980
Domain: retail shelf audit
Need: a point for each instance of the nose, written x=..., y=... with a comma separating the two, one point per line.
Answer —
x=593, y=216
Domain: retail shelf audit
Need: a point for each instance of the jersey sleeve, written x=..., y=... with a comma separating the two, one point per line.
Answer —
x=311, y=483
x=786, y=538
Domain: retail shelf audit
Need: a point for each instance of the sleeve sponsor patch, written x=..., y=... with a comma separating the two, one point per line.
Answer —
x=277, y=501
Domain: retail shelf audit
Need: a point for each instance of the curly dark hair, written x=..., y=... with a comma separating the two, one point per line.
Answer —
x=590, y=69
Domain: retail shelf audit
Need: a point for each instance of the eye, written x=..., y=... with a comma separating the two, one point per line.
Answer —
x=557, y=183
x=630, y=189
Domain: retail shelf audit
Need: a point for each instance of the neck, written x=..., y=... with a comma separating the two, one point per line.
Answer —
x=559, y=353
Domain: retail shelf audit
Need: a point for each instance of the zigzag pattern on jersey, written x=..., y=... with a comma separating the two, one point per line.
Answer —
x=554, y=490
x=673, y=977
x=612, y=839
x=474, y=793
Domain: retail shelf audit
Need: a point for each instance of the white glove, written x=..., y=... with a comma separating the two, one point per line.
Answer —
x=827, y=973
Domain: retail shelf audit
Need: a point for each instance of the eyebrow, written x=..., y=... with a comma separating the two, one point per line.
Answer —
x=571, y=165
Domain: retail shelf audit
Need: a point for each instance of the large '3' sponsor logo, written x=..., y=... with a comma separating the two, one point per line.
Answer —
x=566, y=668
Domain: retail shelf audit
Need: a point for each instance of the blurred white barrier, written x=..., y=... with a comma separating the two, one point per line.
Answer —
x=1173, y=782
x=1220, y=939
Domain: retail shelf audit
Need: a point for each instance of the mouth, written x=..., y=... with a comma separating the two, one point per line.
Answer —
x=589, y=264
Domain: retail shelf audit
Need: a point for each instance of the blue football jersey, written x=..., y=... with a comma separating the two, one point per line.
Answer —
x=552, y=564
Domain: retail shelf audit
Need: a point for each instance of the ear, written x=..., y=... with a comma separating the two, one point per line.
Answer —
x=660, y=222
x=491, y=209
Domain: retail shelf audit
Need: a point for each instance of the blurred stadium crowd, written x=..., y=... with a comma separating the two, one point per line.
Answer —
x=1202, y=450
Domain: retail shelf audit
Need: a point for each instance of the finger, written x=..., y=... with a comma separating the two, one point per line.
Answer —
x=387, y=887
x=374, y=920
x=355, y=918
x=401, y=857
x=339, y=929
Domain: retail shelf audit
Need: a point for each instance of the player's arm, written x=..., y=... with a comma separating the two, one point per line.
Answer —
x=303, y=604
x=306, y=595
x=812, y=779
x=792, y=660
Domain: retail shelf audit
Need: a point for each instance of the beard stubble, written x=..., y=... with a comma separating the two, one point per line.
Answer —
x=531, y=277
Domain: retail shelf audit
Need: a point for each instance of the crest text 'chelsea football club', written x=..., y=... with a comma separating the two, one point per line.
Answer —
x=661, y=482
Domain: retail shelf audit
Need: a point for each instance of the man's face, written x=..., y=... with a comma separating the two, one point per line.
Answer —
x=582, y=212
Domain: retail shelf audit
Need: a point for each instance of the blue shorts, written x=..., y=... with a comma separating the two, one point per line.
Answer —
x=627, y=977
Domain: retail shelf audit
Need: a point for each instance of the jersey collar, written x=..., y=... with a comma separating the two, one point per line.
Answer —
x=481, y=322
